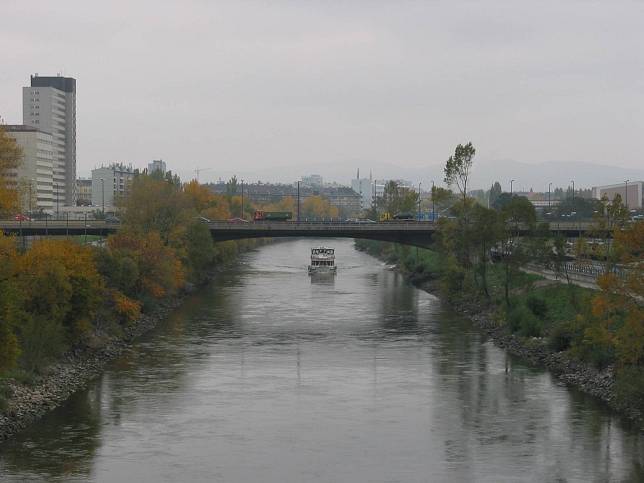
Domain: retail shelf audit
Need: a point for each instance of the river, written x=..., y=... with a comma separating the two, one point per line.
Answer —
x=270, y=375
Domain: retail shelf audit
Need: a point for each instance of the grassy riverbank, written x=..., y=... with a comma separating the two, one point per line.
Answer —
x=545, y=321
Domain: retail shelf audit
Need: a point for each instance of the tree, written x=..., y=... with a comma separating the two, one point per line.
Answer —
x=200, y=251
x=495, y=192
x=457, y=168
x=231, y=186
x=518, y=212
x=157, y=205
x=10, y=158
x=10, y=300
x=317, y=207
x=487, y=230
x=397, y=199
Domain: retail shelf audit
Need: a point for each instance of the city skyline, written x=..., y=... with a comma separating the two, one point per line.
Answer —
x=294, y=87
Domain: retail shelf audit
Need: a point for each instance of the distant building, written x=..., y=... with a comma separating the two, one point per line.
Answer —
x=313, y=181
x=157, y=165
x=342, y=197
x=365, y=188
x=635, y=198
x=34, y=176
x=83, y=192
x=49, y=104
x=111, y=182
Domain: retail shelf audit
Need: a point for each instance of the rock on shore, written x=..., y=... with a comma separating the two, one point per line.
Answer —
x=75, y=371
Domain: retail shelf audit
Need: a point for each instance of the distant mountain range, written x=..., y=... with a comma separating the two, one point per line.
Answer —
x=484, y=173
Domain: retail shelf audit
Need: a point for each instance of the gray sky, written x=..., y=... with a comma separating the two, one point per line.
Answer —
x=245, y=85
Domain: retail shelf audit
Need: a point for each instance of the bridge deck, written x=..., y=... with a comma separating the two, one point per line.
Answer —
x=407, y=232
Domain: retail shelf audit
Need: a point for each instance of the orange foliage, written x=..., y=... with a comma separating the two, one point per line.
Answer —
x=160, y=270
x=617, y=307
x=128, y=309
x=198, y=195
x=59, y=280
x=10, y=158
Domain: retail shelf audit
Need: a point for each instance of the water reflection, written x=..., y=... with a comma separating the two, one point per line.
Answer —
x=272, y=375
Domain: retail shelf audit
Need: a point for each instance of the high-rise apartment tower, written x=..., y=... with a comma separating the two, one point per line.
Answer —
x=49, y=105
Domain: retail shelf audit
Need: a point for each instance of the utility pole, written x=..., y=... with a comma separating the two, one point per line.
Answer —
x=242, y=199
x=433, y=210
x=418, y=218
x=199, y=170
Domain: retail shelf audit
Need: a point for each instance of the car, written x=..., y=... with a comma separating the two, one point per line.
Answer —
x=237, y=220
x=112, y=220
x=21, y=217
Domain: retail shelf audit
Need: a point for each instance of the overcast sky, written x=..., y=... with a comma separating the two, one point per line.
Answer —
x=248, y=85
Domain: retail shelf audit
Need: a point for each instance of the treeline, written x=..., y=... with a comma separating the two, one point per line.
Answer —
x=58, y=294
x=479, y=257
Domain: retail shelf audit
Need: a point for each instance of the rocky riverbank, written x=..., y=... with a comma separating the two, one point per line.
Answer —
x=597, y=383
x=30, y=402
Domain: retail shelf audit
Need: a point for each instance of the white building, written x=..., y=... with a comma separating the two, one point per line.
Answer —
x=49, y=104
x=635, y=189
x=34, y=176
x=111, y=182
x=156, y=165
x=364, y=187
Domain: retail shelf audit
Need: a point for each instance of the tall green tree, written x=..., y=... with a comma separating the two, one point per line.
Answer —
x=458, y=167
x=487, y=231
x=495, y=192
x=518, y=214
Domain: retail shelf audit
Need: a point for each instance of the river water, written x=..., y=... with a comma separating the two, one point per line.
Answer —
x=269, y=375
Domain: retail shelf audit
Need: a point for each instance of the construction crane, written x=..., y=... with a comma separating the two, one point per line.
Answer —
x=199, y=170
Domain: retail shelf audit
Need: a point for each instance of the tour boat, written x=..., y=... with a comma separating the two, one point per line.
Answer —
x=322, y=260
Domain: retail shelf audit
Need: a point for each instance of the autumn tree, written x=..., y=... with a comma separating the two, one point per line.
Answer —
x=618, y=306
x=156, y=205
x=318, y=207
x=10, y=300
x=10, y=158
x=61, y=290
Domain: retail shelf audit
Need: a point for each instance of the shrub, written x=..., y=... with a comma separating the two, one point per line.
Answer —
x=561, y=337
x=524, y=322
x=537, y=306
x=629, y=387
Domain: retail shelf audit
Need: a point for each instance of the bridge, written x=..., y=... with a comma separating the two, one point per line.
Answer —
x=414, y=233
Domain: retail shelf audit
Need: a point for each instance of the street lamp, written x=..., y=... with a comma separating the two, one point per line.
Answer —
x=626, y=194
x=103, y=194
x=511, y=181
